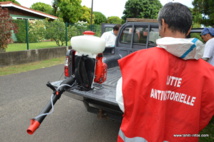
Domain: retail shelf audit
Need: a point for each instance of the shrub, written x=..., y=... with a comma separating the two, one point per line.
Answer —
x=55, y=30
x=6, y=28
x=21, y=34
x=36, y=30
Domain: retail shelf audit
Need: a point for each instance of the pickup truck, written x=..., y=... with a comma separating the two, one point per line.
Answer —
x=101, y=100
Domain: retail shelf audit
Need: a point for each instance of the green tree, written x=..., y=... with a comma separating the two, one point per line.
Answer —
x=55, y=30
x=43, y=7
x=6, y=28
x=99, y=18
x=86, y=15
x=204, y=11
x=69, y=10
x=14, y=1
x=114, y=20
x=196, y=19
x=141, y=9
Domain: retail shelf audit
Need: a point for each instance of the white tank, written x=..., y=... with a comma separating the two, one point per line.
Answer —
x=88, y=44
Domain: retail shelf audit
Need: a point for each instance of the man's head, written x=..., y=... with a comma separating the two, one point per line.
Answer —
x=116, y=29
x=207, y=34
x=175, y=20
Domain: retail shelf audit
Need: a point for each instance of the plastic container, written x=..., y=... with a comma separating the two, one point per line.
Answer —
x=88, y=44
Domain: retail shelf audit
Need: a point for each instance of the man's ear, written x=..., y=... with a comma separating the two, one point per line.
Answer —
x=163, y=26
x=189, y=31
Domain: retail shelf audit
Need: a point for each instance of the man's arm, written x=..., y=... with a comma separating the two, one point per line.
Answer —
x=208, y=50
x=119, y=94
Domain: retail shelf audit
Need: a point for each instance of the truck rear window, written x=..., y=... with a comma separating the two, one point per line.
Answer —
x=126, y=35
x=140, y=35
x=153, y=36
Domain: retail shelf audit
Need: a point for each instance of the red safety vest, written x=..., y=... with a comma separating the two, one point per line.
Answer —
x=166, y=99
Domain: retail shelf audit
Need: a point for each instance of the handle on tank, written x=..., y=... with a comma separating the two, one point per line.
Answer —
x=35, y=122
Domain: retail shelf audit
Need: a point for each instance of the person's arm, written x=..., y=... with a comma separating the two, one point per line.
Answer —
x=106, y=37
x=103, y=36
x=208, y=50
x=119, y=94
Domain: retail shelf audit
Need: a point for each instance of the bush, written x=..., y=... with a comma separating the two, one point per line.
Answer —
x=79, y=27
x=36, y=30
x=52, y=30
x=21, y=34
x=55, y=30
x=6, y=28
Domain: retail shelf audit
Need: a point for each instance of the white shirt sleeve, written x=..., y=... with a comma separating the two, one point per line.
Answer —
x=209, y=48
x=119, y=94
x=110, y=38
x=104, y=36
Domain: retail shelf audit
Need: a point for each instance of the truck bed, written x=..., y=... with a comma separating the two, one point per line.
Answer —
x=103, y=93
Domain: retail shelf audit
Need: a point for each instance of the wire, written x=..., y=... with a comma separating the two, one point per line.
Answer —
x=52, y=105
x=52, y=109
x=62, y=85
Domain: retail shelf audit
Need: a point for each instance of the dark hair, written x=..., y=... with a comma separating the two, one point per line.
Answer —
x=116, y=27
x=177, y=16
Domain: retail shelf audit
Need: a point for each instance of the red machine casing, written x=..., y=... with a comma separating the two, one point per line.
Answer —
x=100, y=70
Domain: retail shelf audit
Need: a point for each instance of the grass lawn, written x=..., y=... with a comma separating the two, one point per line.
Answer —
x=31, y=66
x=38, y=45
x=208, y=130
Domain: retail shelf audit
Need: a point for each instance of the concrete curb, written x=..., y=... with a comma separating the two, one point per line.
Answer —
x=21, y=57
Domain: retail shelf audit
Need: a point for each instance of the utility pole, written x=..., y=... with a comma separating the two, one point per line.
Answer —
x=92, y=1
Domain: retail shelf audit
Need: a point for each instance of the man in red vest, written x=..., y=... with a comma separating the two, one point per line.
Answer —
x=166, y=92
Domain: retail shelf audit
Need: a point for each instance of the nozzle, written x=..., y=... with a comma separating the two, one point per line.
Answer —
x=36, y=121
x=34, y=125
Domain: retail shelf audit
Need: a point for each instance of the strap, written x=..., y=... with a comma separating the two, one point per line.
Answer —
x=84, y=72
x=190, y=49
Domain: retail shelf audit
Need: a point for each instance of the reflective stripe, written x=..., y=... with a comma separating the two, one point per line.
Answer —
x=135, y=139
x=190, y=49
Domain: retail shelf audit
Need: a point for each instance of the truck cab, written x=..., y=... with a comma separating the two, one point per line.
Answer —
x=135, y=36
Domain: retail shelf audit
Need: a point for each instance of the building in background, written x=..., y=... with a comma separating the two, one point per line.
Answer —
x=20, y=12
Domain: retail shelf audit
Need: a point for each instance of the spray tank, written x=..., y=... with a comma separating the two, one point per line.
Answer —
x=88, y=68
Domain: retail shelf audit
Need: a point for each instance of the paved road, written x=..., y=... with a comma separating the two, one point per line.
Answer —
x=23, y=96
